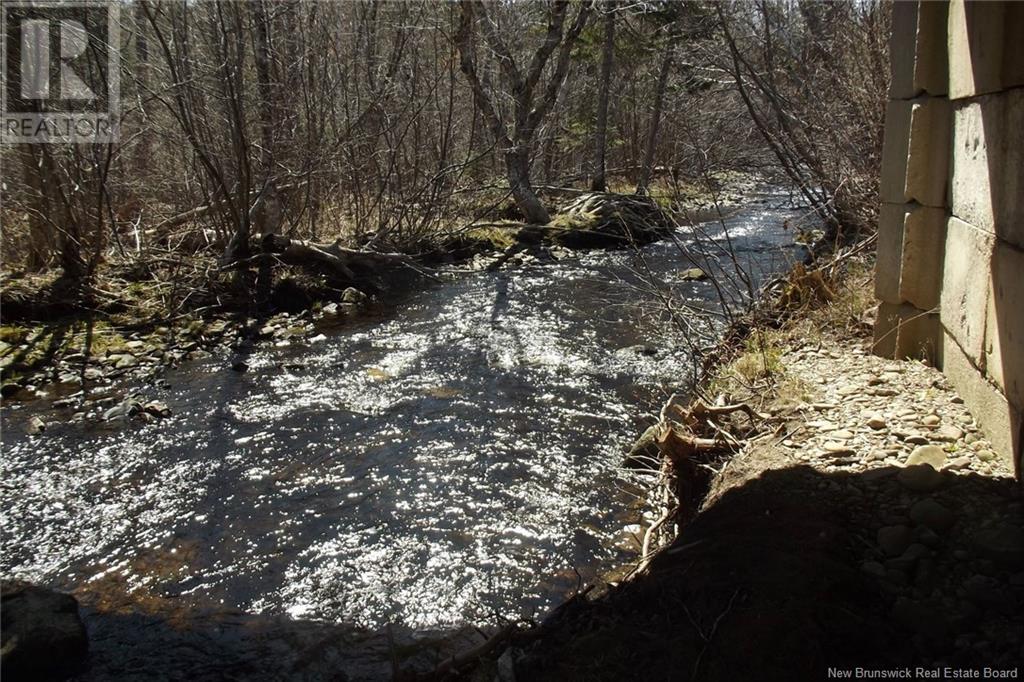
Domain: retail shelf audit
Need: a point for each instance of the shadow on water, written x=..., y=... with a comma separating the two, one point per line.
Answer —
x=135, y=645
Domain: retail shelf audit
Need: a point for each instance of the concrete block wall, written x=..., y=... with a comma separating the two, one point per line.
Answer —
x=950, y=268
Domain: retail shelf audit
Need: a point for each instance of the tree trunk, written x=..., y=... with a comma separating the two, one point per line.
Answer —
x=659, y=100
x=267, y=215
x=517, y=165
x=598, y=184
x=40, y=240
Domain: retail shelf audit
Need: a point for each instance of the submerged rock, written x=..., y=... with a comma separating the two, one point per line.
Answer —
x=43, y=635
x=1003, y=544
x=157, y=409
x=353, y=295
x=929, y=513
x=36, y=425
x=693, y=275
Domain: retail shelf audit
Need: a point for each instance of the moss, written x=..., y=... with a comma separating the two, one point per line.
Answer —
x=582, y=220
x=13, y=334
x=500, y=238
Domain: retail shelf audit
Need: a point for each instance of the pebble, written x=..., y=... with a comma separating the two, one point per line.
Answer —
x=876, y=421
x=948, y=433
x=927, y=454
x=931, y=420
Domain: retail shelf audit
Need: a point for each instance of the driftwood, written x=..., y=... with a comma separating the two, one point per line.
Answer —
x=334, y=258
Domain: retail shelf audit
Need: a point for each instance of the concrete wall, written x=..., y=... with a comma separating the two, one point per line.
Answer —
x=950, y=270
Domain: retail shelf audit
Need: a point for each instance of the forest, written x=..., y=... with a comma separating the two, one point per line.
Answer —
x=391, y=129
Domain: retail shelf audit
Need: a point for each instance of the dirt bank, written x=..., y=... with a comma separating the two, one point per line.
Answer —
x=869, y=524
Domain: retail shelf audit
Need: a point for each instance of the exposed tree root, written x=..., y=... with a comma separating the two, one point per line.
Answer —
x=689, y=442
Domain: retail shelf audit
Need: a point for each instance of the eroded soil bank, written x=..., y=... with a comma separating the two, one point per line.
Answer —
x=870, y=525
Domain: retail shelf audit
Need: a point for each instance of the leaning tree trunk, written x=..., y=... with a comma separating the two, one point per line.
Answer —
x=517, y=165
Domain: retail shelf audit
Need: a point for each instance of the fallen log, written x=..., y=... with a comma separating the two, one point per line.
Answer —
x=334, y=258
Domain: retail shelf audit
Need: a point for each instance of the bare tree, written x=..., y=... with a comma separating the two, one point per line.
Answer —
x=516, y=140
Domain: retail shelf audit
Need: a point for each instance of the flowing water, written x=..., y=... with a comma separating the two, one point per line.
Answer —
x=454, y=459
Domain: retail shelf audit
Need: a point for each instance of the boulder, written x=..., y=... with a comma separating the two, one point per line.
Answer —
x=157, y=408
x=35, y=426
x=10, y=389
x=353, y=295
x=43, y=635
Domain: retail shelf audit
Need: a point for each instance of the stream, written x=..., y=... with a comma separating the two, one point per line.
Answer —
x=454, y=461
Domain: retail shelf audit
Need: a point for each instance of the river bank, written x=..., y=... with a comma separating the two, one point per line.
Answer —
x=149, y=314
x=864, y=523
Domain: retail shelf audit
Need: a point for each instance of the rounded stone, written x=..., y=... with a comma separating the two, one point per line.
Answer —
x=929, y=513
x=927, y=454
x=894, y=540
